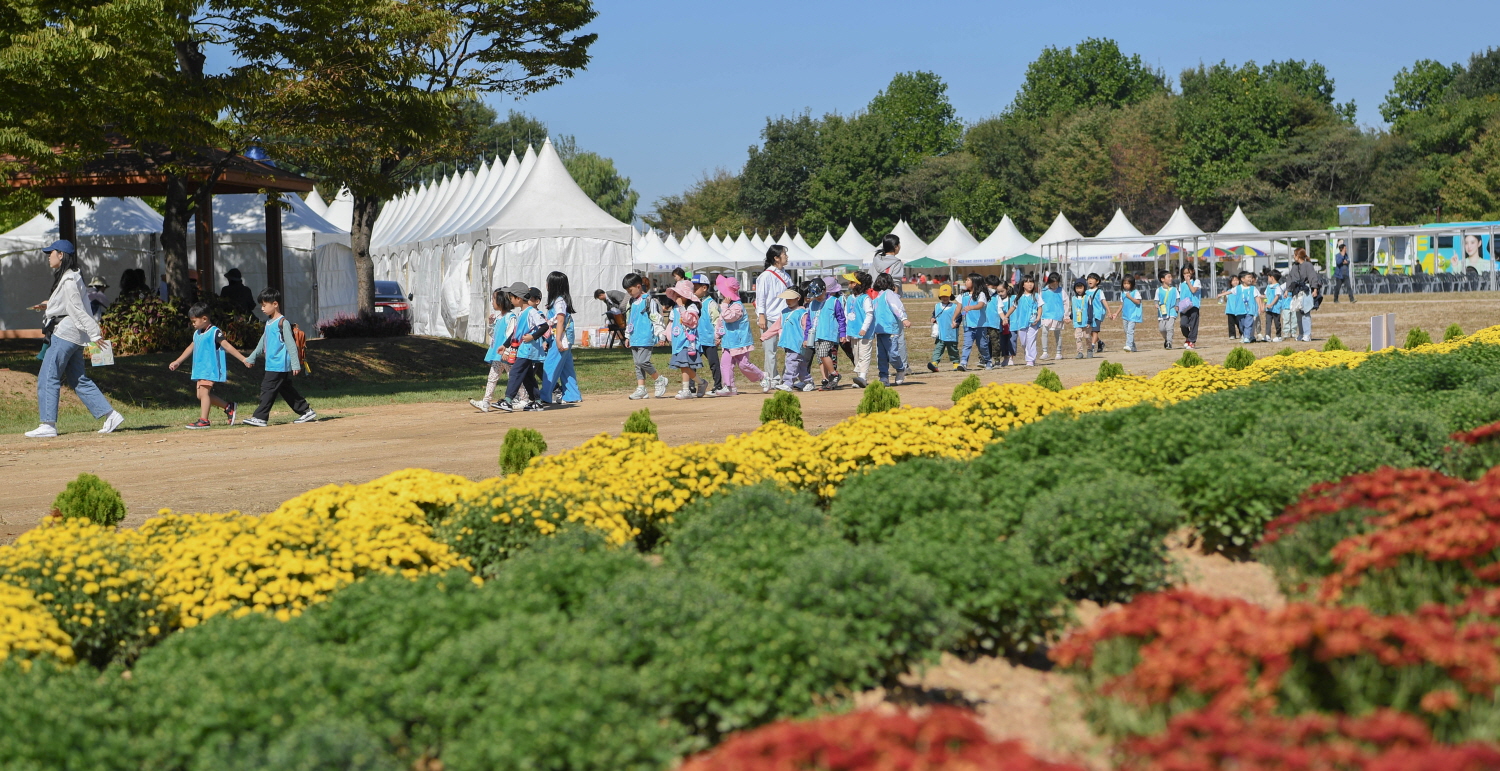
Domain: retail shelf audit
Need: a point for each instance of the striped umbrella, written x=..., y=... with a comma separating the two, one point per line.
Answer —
x=1212, y=251
x=1161, y=250
x=1247, y=251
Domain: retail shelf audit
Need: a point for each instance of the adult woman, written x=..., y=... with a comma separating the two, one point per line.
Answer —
x=1189, y=303
x=769, y=306
x=66, y=315
x=888, y=261
x=1303, y=284
x=557, y=367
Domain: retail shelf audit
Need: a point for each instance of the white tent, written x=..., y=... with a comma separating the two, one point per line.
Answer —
x=653, y=256
x=105, y=217
x=340, y=211
x=854, y=243
x=1233, y=234
x=1058, y=233
x=316, y=203
x=1180, y=226
x=744, y=255
x=912, y=247
x=1005, y=242
x=1098, y=257
x=953, y=242
x=758, y=242
x=672, y=244
x=797, y=257
x=829, y=253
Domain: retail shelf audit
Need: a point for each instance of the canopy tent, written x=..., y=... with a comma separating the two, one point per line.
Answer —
x=1006, y=241
x=105, y=217
x=1024, y=259
x=673, y=245
x=743, y=255
x=854, y=243
x=797, y=257
x=758, y=242
x=926, y=263
x=801, y=243
x=653, y=256
x=830, y=254
x=1179, y=226
x=1232, y=238
x=912, y=246
x=1054, y=243
x=340, y=211
x=316, y=203
x=954, y=242
x=1096, y=257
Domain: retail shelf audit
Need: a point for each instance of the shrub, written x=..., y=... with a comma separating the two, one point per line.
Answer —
x=346, y=325
x=1416, y=337
x=1109, y=370
x=1472, y=453
x=1228, y=496
x=1453, y=332
x=142, y=323
x=1049, y=380
x=1333, y=343
x=1287, y=351
x=520, y=446
x=743, y=539
x=942, y=739
x=1104, y=535
x=91, y=498
x=969, y=385
x=870, y=505
x=878, y=398
x=1189, y=358
x=640, y=422
x=783, y=406
x=1007, y=602
x=1300, y=556
x=1239, y=358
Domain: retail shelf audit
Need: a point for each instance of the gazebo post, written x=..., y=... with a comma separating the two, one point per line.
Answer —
x=67, y=222
x=203, y=232
x=273, y=246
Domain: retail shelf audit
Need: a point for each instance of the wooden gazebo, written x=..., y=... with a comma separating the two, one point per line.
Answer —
x=125, y=171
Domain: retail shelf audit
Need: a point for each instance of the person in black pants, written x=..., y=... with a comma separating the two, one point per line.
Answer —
x=1341, y=274
x=280, y=347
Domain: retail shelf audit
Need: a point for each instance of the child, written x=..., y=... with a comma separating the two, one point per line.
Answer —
x=1026, y=317
x=1251, y=305
x=859, y=307
x=1079, y=307
x=890, y=329
x=972, y=304
x=944, y=329
x=996, y=328
x=734, y=328
x=1166, y=308
x=557, y=367
x=1278, y=304
x=1130, y=310
x=281, y=363
x=1098, y=311
x=531, y=326
x=1054, y=311
x=791, y=339
x=1189, y=305
x=828, y=327
x=708, y=324
x=501, y=353
x=1232, y=307
x=683, y=328
x=207, y=350
x=640, y=332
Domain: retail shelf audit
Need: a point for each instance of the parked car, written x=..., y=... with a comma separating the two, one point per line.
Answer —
x=389, y=298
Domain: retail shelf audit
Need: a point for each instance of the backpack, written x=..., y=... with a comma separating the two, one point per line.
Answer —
x=299, y=338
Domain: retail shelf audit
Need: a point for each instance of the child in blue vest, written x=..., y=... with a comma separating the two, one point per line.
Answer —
x=1166, y=308
x=1026, y=317
x=682, y=330
x=828, y=328
x=890, y=330
x=1251, y=304
x=973, y=305
x=793, y=340
x=944, y=329
x=1054, y=313
x=708, y=336
x=1189, y=305
x=1078, y=308
x=859, y=308
x=281, y=363
x=209, y=368
x=531, y=329
x=1276, y=303
x=501, y=354
x=1097, y=310
x=1130, y=310
x=996, y=322
x=640, y=333
x=737, y=339
x=558, y=375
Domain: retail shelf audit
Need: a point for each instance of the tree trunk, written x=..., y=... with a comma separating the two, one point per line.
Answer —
x=174, y=235
x=366, y=209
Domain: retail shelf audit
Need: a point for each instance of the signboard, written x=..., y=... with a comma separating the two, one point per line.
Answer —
x=1354, y=214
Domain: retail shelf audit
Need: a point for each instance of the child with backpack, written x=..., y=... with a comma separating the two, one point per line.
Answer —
x=1054, y=313
x=284, y=354
x=792, y=338
x=502, y=351
x=209, y=368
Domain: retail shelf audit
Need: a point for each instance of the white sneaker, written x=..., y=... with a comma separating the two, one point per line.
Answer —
x=254, y=421
x=640, y=392
x=684, y=394
x=783, y=387
x=1058, y=357
x=901, y=377
x=765, y=384
x=808, y=387
x=722, y=391
x=479, y=405
x=44, y=431
x=306, y=417
x=661, y=386
x=110, y=423
x=1275, y=339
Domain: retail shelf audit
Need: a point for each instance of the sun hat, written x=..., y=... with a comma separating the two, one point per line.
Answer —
x=791, y=294
x=946, y=290
x=702, y=278
x=683, y=289
x=850, y=277
x=61, y=245
x=832, y=285
x=99, y=283
x=729, y=286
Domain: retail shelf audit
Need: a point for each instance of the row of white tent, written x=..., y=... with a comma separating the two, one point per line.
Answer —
x=954, y=246
x=118, y=234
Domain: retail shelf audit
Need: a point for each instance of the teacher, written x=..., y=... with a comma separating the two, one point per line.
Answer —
x=769, y=306
x=68, y=327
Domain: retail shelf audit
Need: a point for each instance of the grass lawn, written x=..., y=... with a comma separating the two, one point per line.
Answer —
x=345, y=374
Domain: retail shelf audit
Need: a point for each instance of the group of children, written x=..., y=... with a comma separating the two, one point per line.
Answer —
x=528, y=343
x=1000, y=320
x=867, y=321
x=708, y=327
x=210, y=368
x=1247, y=307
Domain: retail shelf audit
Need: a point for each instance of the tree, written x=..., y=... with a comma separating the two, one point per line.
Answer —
x=1092, y=74
x=773, y=185
x=919, y=117
x=1480, y=78
x=711, y=203
x=1473, y=181
x=368, y=91
x=852, y=180
x=1141, y=137
x=512, y=135
x=602, y=182
x=1075, y=175
x=1006, y=150
x=1416, y=88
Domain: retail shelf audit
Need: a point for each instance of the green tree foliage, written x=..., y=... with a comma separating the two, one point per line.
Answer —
x=916, y=110
x=602, y=182
x=640, y=422
x=1417, y=87
x=1481, y=78
x=783, y=406
x=712, y=203
x=519, y=447
x=1472, y=189
x=91, y=498
x=1093, y=73
x=773, y=186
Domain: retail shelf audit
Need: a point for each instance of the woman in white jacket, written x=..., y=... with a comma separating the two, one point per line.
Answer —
x=66, y=314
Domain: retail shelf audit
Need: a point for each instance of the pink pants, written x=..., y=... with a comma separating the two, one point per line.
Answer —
x=728, y=361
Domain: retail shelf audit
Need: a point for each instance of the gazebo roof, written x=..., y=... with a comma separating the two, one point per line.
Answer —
x=125, y=171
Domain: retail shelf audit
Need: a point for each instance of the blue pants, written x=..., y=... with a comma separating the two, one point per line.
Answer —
x=884, y=352
x=558, y=367
x=63, y=365
x=976, y=336
x=1247, y=326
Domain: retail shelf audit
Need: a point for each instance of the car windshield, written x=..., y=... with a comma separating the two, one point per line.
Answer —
x=389, y=289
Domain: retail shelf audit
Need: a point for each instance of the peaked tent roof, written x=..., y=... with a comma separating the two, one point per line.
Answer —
x=653, y=254
x=912, y=245
x=1006, y=241
x=802, y=243
x=829, y=253
x=743, y=254
x=106, y=217
x=1238, y=223
x=955, y=240
x=246, y=213
x=316, y=202
x=549, y=204
x=673, y=245
x=1180, y=226
x=854, y=243
x=1060, y=230
x=1119, y=227
x=340, y=210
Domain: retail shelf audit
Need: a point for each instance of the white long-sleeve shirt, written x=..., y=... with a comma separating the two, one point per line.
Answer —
x=68, y=299
x=768, y=288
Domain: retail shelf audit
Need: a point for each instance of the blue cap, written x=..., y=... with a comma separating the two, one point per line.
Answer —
x=702, y=278
x=63, y=246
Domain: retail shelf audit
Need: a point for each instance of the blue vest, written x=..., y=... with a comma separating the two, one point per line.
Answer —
x=972, y=319
x=1191, y=290
x=1080, y=310
x=994, y=307
x=1130, y=311
x=208, y=357
x=276, y=358
x=793, y=335
x=642, y=335
x=1025, y=312
x=1052, y=304
x=678, y=331
x=737, y=333
x=943, y=315
x=886, y=322
x=827, y=326
x=1166, y=302
x=530, y=319
x=497, y=336
x=1234, y=304
x=706, y=330
x=1096, y=305
x=854, y=313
